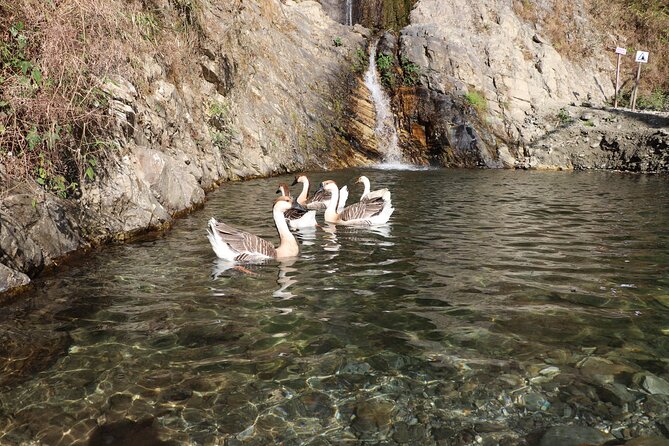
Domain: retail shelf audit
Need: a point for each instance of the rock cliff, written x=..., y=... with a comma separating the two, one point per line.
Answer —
x=262, y=93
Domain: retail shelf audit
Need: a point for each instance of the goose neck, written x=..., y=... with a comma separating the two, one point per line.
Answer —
x=302, y=198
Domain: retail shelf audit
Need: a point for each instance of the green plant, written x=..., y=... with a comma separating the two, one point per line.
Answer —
x=359, y=61
x=410, y=72
x=337, y=41
x=564, y=117
x=147, y=24
x=384, y=62
x=476, y=100
x=657, y=100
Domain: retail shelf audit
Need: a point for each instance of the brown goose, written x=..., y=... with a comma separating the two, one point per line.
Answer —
x=236, y=245
x=297, y=216
x=365, y=213
x=319, y=199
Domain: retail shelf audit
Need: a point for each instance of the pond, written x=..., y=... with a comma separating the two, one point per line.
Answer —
x=494, y=305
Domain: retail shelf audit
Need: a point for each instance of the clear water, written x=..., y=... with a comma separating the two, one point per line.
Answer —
x=437, y=321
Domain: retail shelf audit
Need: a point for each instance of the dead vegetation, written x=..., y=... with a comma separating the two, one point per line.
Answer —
x=576, y=28
x=54, y=58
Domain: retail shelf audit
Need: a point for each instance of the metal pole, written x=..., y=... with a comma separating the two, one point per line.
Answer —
x=636, y=87
x=615, y=100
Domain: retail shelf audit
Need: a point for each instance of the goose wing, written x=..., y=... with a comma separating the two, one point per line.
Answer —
x=363, y=210
x=246, y=244
x=295, y=213
x=319, y=200
x=379, y=193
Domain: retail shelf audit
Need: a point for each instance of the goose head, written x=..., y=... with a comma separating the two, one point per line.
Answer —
x=283, y=190
x=329, y=186
x=282, y=204
x=362, y=179
x=300, y=179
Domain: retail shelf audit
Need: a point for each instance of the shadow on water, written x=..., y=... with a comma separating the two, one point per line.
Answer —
x=442, y=319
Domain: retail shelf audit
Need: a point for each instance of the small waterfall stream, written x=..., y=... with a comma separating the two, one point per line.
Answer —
x=349, y=12
x=386, y=133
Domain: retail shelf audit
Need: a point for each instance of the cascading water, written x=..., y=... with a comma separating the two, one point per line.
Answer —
x=386, y=133
x=349, y=12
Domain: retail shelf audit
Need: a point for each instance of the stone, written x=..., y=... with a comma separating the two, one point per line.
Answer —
x=572, y=435
x=615, y=393
x=10, y=279
x=648, y=441
x=655, y=385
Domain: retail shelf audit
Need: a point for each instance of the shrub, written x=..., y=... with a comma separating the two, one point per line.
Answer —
x=384, y=62
x=563, y=117
x=410, y=72
x=477, y=100
x=55, y=56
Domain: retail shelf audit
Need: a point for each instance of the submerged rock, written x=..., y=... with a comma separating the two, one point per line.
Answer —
x=573, y=436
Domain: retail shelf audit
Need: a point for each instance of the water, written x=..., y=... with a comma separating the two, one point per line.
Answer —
x=386, y=133
x=416, y=331
x=349, y=12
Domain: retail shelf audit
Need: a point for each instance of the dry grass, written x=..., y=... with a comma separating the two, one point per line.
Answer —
x=54, y=56
x=576, y=28
x=638, y=25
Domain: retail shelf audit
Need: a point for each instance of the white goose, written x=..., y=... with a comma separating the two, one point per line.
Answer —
x=367, y=195
x=319, y=200
x=236, y=245
x=297, y=216
x=365, y=213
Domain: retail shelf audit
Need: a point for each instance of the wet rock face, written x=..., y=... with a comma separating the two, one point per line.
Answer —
x=492, y=65
x=35, y=229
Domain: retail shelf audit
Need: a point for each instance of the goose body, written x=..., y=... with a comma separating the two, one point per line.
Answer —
x=233, y=244
x=376, y=211
x=367, y=195
x=320, y=199
x=297, y=216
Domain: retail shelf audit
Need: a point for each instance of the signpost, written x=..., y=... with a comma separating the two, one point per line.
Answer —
x=641, y=57
x=620, y=52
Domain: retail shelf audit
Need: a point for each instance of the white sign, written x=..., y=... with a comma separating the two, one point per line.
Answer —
x=641, y=57
x=622, y=51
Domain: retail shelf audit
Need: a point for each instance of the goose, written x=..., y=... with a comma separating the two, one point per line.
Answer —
x=365, y=213
x=297, y=216
x=367, y=195
x=319, y=200
x=236, y=245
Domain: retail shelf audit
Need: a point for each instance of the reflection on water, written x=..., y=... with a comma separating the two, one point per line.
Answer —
x=508, y=300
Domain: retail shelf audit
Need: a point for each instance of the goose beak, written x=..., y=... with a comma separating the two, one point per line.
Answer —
x=320, y=189
x=278, y=191
x=297, y=205
x=294, y=182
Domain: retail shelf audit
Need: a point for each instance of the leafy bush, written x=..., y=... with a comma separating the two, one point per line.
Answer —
x=564, y=117
x=384, y=63
x=359, y=61
x=410, y=72
x=477, y=100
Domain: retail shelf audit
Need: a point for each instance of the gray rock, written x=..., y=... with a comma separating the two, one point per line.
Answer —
x=655, y=385
x=615, y=393
x=10, y=278
x=573, y=436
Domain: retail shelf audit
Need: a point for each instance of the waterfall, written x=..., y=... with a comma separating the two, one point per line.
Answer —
x=349, y=12
x=386, y=133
